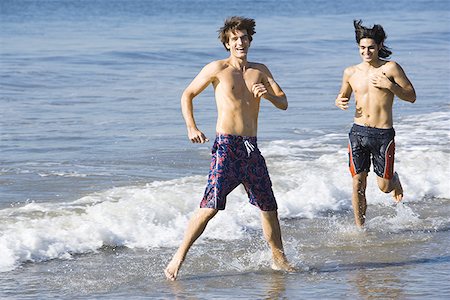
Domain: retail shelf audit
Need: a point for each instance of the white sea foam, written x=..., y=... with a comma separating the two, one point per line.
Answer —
x=310, y=177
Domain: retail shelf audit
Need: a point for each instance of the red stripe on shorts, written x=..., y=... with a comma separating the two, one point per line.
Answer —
x=351, y=163
x=389, y=161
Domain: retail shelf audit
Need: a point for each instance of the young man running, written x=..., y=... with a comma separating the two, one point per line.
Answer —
x=374, y=82
x=239, y=86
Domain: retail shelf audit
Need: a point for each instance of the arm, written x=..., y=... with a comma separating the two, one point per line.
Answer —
x=396, y=81
x=198, y=84
x=346, y=90
x=269, y=89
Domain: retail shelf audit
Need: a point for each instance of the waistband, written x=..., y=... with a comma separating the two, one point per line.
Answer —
x=231, y=138
x=372, y=130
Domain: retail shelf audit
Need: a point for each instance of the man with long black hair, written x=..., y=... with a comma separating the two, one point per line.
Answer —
x=374, y=82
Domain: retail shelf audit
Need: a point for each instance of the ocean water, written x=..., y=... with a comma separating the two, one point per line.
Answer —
x=98, y=179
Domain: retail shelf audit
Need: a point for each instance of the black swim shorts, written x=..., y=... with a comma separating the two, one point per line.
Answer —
x=369, y=142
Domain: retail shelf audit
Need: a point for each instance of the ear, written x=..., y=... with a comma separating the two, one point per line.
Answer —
x=227, y=46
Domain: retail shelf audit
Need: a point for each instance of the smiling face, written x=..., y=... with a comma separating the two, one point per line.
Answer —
x=238, y=43
x=368, y=50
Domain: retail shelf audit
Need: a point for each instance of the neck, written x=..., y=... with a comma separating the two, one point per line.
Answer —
x=238, y=63
x=374, y=63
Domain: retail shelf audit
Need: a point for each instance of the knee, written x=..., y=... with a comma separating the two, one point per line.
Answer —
x=359, y=183
x=385, y=185
x=385, y=188
x=206, y=214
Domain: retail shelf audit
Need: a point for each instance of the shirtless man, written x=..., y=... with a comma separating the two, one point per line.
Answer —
x=375, y=82
x=238, y=86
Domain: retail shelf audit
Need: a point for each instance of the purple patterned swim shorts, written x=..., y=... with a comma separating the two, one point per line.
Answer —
x=235, y=160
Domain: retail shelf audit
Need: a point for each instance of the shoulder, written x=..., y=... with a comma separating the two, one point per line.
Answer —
x=214, y=67
x=390, y=64
x=217, y=64
x=349, y=71
x=392, y=67
x=260, y=67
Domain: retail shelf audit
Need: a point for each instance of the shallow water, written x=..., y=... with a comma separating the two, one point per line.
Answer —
x=403, y=256
x=98, y=180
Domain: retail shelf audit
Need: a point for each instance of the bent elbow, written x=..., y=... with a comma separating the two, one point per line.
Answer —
x=413, y=98
x=283, y=106
x=187, y=96
x=409, y=97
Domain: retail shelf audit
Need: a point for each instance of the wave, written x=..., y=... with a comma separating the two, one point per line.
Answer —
x=309, y=177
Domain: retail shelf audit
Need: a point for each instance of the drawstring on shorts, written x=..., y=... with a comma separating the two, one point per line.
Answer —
x=249, y=147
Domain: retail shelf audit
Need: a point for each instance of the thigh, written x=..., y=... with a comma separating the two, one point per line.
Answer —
x=358, y=154
x=383, y=158
x=222, y=178
x=258, y=185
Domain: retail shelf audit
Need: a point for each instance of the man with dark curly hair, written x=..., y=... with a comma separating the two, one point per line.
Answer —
x=374, y=82
x=239, y=86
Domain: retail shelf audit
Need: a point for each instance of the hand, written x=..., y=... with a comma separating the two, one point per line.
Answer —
x=196, y=136
x=341, y=102
x=381, y=81
x=258, y=90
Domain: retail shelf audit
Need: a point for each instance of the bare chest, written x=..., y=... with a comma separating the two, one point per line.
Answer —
x=361, y=82
x=369, y=98
x=236, y=84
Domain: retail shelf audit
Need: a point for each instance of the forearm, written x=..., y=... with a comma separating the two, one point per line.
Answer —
x=279, y=101
x=270, y=90
x=406, y=94
x=187, y=108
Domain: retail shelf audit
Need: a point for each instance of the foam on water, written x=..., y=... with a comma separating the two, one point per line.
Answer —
x=310, y=177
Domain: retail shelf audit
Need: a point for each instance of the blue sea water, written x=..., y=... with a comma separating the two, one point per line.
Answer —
x=98, y=179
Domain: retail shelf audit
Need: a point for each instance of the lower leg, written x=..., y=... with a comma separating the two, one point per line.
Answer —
x=195, y=228
x=391, y=185
x=272, y=234
x=359, y=201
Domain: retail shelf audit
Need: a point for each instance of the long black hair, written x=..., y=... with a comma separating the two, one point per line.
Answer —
x=376, y=33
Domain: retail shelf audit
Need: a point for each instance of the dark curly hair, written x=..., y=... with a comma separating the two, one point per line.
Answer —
x=376, y=33
x=236, y=23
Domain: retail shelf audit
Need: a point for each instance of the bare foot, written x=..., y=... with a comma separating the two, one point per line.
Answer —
x=283, y=265
x=172, y=268
x=397, y=193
